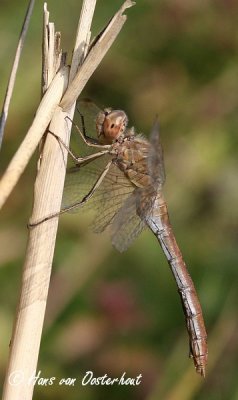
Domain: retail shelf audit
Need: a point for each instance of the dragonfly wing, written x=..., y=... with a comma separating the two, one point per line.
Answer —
x=109, y=198
x=155, y=157
x=126, y=225
x=79, y=181
x=86, y=111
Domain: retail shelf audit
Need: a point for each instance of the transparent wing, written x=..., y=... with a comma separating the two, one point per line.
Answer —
x=79, y=181
x=84, y=120
x=107, y=199
x=126, y=225
x=88, y=110
x=114, y=203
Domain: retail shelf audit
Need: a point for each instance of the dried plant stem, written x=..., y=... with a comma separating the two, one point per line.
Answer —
x=97, y=51
x=47, y=199
x=43, y=116
x=14, y=69
x=82, y=37
x=51, y=51
x=26, y=338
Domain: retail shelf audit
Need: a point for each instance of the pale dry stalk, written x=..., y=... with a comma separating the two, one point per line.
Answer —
x=47, y=199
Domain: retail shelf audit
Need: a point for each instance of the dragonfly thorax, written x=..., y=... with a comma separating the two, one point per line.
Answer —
x=111, y=125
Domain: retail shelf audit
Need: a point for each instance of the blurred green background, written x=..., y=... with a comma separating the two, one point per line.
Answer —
x=110, y=312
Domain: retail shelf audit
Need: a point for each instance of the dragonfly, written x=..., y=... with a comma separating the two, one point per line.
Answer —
x=123, y=181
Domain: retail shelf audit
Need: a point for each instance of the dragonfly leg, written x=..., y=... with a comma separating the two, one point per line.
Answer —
x=82, y=121
x=79, y=160
x=74, y=157
x=87, y=139
x=87, y=159
x=78, y=203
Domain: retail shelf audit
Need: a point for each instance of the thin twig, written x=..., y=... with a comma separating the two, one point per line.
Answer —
x=12, y=78
x=45, y=50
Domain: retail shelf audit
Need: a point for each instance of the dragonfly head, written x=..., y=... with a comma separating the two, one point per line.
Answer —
x=110, y=125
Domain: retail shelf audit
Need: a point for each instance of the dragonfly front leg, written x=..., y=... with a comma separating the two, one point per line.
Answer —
x=80, y=160
x=88, y=140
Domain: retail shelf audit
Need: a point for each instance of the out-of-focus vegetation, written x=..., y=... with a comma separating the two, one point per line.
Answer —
x=110, y=312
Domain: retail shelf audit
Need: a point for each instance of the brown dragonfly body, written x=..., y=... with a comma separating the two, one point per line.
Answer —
x=132, y=158
x=130, y=196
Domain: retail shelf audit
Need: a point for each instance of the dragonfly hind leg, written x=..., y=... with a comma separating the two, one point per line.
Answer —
x=78, y=203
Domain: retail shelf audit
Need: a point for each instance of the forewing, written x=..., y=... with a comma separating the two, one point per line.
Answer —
x=107, y=199
x=79, y=181
x=86, y=113
x=84, y=120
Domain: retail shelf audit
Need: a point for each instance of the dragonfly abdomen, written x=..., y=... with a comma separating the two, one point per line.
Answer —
x=158, y=221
